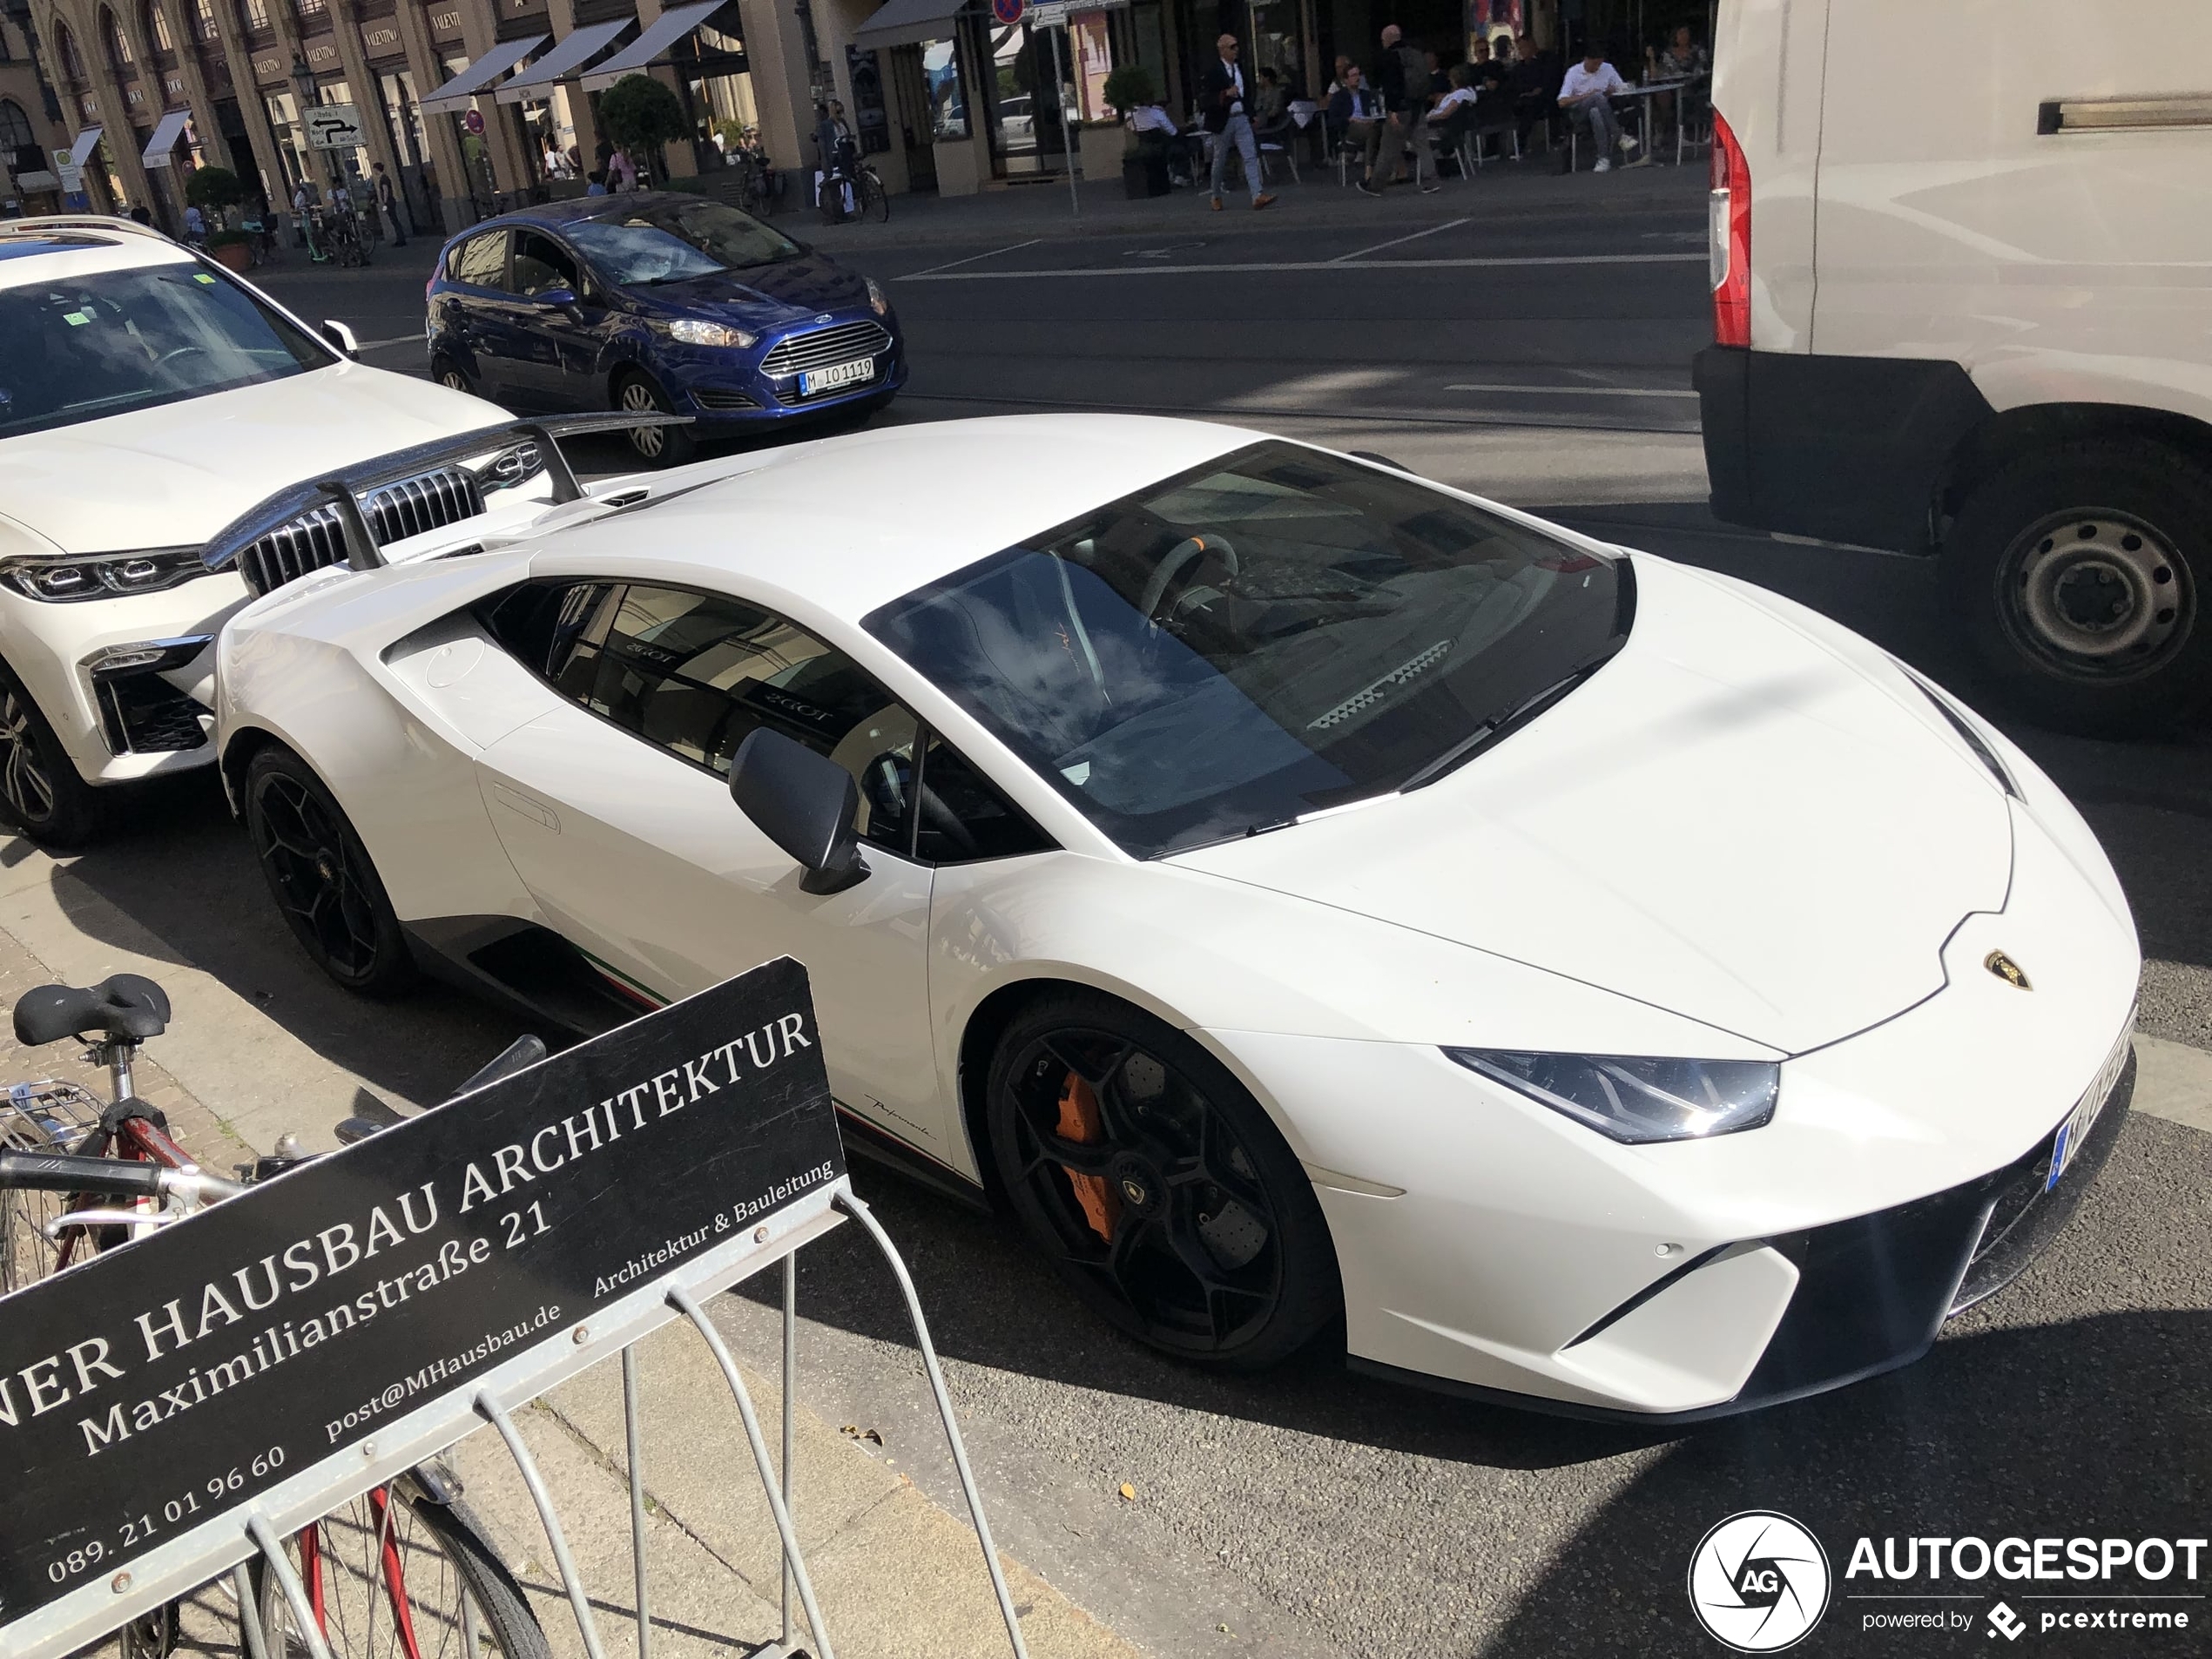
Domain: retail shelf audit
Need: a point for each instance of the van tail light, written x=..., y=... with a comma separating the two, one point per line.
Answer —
x=1729, y=238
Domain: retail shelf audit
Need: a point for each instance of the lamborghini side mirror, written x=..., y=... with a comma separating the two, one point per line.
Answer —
x=804, y=802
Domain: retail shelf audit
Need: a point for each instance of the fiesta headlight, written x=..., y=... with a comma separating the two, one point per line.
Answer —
x=1638, y=1098
x=878, y=300
x=695, y=331
x=102, y=576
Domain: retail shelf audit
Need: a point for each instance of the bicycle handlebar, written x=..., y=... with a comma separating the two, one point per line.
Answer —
x=67, y=1172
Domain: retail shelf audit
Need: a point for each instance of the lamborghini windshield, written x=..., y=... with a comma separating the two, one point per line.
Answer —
x=1268, y=635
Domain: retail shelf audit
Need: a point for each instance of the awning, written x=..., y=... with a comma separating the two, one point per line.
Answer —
x=907, y=22
x=161, y=148
x=83, y=147
x=567, y=57
x=479, y=76
x=660, y=34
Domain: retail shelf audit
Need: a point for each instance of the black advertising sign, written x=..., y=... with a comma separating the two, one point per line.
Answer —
x=163, y=1384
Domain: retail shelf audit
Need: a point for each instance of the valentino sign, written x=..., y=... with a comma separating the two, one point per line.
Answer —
x=161, y=1385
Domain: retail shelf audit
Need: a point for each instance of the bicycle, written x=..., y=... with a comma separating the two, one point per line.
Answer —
x=870, y=199
x=343, y=236
x=410, y=1548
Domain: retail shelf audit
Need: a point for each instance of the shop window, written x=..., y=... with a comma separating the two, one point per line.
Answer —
x=948, y=98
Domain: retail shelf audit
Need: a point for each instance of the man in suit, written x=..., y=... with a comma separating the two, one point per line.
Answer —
x=1222, y=98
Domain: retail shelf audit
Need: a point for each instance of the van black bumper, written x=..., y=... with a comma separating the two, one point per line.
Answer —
x=1846, y=449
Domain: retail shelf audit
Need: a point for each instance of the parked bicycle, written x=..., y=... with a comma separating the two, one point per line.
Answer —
x=261, y=237
x=403, y=1572
x=870, y=199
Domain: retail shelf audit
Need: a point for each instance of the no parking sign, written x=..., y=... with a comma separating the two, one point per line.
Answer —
x=1008, y=12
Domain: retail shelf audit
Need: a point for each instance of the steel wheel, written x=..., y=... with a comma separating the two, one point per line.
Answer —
x=1150, y=1191
x=322, y=877
x=2097, y=596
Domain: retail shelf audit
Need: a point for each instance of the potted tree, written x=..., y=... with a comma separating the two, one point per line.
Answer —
x=1144, y=156
x=641, y=115
x=213, y=191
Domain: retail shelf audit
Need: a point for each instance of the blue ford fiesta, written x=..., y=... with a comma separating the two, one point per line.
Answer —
x=659, y=301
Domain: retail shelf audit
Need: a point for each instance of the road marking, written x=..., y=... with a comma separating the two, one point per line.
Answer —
x=970, y=259
x=946, y=274
x=1394, y=241
x=1573, y=391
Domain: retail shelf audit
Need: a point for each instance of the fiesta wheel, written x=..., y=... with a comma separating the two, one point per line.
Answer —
x=448, y=375
x=1158, y=1187
x=657, y=446
x=322, y=877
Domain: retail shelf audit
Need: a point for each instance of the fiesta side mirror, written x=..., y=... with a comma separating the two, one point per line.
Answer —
x=804, y=802
x=554, y=299
x=341, y=338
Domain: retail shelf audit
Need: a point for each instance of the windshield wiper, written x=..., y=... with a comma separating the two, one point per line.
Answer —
x=1491, y=729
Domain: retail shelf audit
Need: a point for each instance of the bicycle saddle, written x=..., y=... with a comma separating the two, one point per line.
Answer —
x=123, y=1005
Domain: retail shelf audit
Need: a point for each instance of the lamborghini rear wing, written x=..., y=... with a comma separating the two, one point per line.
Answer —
x=329, y=510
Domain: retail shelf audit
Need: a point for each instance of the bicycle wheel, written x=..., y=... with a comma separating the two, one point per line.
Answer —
x=47, y=1116
x=394, y=1575
x=875, y=201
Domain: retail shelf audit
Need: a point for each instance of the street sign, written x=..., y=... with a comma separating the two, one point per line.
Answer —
x=474, y=121
x=335, y=126
x=67, y=169
x=1008, y=12
x=1050, y=14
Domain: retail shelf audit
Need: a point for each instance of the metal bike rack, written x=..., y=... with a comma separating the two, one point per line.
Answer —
x=225, y=1544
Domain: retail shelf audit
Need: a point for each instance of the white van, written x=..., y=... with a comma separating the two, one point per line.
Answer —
x=1962, y=301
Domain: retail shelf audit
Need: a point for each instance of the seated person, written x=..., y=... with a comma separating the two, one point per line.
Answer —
x=1271, y=105
x=1153, y=126
x=1586, y=96
x=1356, y=116
x=1454, y=115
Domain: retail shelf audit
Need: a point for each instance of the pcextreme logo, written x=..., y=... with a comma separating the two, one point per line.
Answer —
x=1759, y=1581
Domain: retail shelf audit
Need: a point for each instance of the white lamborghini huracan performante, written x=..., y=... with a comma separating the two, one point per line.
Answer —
x=1287, y=884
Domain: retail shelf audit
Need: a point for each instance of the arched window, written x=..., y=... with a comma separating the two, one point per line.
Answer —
x=118, y=44
x=156, y=30
x=254, y=15
x=72, y=61
x=207, y=29
x=16, y=132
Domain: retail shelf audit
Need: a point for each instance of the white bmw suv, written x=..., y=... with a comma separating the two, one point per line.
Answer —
x=147, y=397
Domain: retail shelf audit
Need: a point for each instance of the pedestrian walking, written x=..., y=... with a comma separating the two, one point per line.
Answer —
x=1402, y=77
x=1226, y=117
x=387, y=201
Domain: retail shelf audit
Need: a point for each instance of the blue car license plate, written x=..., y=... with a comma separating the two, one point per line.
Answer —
x=828, y=380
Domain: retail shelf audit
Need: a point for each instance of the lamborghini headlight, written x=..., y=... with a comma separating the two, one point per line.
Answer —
x=877, y=298
x=697, y=331
x=1637, y=1099
x=102, y=576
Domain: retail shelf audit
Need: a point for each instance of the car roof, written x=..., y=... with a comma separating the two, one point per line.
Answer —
x=37, y=250
x=554, y=215
x=852, y=522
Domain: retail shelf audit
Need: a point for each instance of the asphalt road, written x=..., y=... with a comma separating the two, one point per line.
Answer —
x=1540, y=355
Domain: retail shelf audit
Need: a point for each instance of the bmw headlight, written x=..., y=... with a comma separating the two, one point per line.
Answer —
x=878, y=298
x=103, y=575
x=1637, y=1099
x=695, y=331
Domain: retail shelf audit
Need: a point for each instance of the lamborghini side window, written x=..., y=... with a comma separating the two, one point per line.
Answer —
x=694, y=674
x=964, y=819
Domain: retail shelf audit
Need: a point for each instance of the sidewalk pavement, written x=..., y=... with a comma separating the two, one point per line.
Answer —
x=896, y=1576
x=1501, y=190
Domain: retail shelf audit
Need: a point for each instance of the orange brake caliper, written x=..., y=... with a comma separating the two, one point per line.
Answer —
x=1080, y=1122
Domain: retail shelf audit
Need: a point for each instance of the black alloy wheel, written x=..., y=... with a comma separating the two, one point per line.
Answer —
x=41, y=792
x=322, y=877
x=657, y=446
x=1157, y=1186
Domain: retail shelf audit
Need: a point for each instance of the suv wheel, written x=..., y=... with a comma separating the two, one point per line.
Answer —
x=2084, y=574
x=41, y=792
